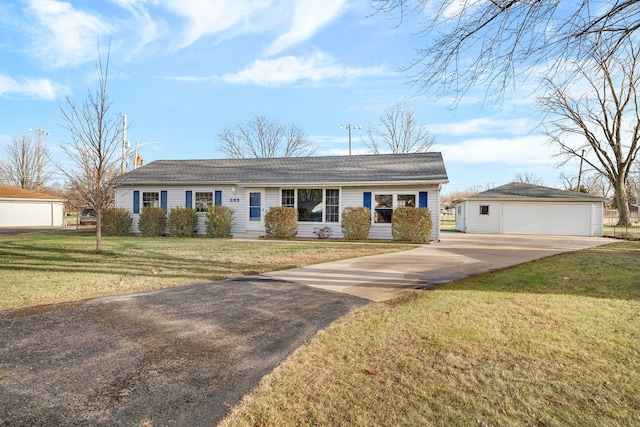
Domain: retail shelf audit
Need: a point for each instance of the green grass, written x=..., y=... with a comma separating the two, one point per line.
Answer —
x=46, y=268
x=555, y=342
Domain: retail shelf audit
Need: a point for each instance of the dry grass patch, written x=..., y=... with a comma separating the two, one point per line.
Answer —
x=554, y=342
x=55, y=267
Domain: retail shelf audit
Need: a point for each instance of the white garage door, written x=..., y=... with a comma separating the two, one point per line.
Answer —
x=568, y=219
x=28, y=214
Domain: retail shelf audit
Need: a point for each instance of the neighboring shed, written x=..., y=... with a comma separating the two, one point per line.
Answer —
x=319, y=188
x=521, y=208
x=24, y=208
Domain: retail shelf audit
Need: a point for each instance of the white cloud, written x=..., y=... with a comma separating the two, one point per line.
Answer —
x=291, y=69
x=69, y=36
x=210, y=17
x=483, y=126
x=32, y=88
x=309, y=17
x=526, y=150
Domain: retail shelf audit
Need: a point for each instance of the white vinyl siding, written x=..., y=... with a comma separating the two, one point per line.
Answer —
x=483, y=224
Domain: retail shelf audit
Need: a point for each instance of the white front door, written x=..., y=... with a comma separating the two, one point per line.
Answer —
x=255, y=209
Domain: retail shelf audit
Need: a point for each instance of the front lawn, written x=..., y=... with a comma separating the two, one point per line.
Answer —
x=62, y=266
x=554, y=342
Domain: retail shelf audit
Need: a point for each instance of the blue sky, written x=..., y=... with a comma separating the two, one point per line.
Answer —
x=182, y=69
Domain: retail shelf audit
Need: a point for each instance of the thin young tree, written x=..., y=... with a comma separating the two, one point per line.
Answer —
x=495, y=43
x=262, y=137
x=21, y=167
x=398, y=131
x=92, y=150
x=599, y=105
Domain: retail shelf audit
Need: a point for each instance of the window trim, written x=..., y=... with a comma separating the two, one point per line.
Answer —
x=323, y=203
x=484, y=210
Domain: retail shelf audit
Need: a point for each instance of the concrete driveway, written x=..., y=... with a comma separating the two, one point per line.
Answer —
x=184, y=356
x=457, y=255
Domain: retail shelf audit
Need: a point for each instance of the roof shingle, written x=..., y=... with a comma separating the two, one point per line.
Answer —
x=522, y=190
x=416, y=167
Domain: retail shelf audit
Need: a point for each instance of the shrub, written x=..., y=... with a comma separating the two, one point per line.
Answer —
x=153, y=221
x=116, y=221
x=219, y=221
x=323, y=233
x=183, y=222
x=356, y=223
x=281, y=222
x=411, y=224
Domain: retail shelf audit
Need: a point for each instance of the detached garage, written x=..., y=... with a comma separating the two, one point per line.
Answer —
x=24, y=208
x=521, y=208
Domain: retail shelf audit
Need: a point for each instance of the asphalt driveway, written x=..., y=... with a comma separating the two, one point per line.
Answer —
x=177, y=357
x=184, y=356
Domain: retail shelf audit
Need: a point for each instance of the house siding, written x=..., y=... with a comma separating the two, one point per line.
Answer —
x=483, y=224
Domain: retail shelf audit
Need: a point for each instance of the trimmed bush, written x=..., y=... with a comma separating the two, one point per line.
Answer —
x=281, y=222
x=116, y=221
x=183, y=222
x=411, y=224
x=356, y=223
x=219, y=221
x=153, y=221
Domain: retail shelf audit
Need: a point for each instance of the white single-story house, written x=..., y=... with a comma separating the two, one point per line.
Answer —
x=24, y=208
x=521, y=208
x=318, y=187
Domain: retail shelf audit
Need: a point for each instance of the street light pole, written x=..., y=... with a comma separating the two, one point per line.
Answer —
x=124, y=142
x=39, y=132
x=349, y=127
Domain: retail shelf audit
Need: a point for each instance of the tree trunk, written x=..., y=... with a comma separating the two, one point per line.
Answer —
x=621, y=202
x=99, y=230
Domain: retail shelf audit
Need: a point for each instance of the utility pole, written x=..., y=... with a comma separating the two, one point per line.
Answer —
x=39, y=132
x=349, y=127
x=124, y=142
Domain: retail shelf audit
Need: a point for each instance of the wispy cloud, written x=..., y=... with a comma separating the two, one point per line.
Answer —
x=291, y=69
x=309, y=17
x=67, y=36
x=527, y=150
x=483, y=126
x=31, y=88
x=205, y=17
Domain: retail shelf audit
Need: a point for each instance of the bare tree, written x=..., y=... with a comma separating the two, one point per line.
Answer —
x=474, y=43
x=20, y=166
x=398, y=131
x=528, y=178
x=95, y=139
x=604, y=116
x=262, y=137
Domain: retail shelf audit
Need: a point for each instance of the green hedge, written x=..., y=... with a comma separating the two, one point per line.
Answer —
x=183, y=222
x=153, y=221
x=219, y=221
x=116, y=222
x=411, y=224
x=356, y=223
x=281, y=222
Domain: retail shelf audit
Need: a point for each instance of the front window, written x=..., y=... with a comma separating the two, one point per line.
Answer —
x=484, y=209
x=332, y=205
x=289, y=198
x=203, y=201
x=150, y=199
x=386, y=203
x=310, y=205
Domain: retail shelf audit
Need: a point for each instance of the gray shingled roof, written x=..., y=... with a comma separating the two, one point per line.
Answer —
x=417, y=167
x=521, y=190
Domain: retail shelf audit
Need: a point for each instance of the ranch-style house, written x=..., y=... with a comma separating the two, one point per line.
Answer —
x=318, y=187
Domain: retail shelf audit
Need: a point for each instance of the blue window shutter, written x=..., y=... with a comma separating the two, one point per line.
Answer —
x=163, y=199
x=422, y=199
x=218, y=198
x=367, y=200
x=188, y=203
x=136, y=202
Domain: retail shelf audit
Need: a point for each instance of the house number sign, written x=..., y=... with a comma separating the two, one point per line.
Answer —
x=234, y=200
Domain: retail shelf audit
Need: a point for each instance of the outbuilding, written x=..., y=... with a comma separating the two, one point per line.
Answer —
x=25, y=208
x=318, y=187
x=522, y=208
